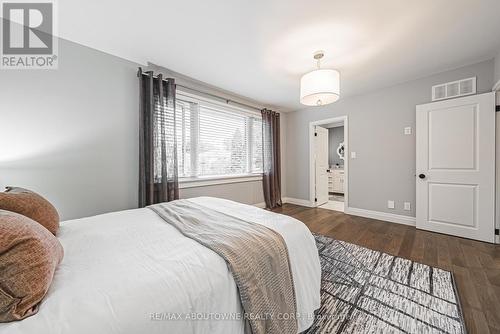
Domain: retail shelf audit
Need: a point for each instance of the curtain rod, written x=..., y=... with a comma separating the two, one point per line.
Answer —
x=209, y=94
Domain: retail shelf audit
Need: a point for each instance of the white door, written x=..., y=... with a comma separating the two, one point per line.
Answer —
x=456, y=167
x=321, y=164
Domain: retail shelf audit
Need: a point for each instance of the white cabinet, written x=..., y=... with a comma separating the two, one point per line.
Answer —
x=336, y=181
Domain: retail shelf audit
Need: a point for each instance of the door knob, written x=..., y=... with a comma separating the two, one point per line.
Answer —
x=422, y=176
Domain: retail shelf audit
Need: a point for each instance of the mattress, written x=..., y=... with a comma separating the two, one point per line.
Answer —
x=131, y=272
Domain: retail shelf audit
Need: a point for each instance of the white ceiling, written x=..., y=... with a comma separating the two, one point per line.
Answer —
x=259, y=48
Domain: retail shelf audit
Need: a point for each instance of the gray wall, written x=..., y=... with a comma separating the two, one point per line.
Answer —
x=385, y=165
x=335, y=137
x=244, y=192
x=72, y=135
x=497, y=67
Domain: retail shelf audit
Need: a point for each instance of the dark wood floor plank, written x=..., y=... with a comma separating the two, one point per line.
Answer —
x=466, y=288
x=431, y=249
x=444, y=258
x=489, y=304
x=407, y=245
x=394, y=240
x=475, y=265
x=418, y=250
x=469, y=320
x=471, y=256
x=457, y=256
x=479, y=323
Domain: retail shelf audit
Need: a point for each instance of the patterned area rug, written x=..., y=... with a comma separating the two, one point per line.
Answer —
x=365, y=291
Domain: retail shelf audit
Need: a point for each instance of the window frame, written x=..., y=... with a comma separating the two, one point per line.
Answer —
x=199, y=181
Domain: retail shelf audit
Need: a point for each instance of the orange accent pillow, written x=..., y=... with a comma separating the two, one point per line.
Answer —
x=29, y=255
x=31, y=205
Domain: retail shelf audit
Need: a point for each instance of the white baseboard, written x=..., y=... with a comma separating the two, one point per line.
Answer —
x=297, y=201
x=385, y=216
x=261, y=205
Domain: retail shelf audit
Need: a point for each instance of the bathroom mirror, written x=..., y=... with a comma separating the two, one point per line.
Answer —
x=340, y=150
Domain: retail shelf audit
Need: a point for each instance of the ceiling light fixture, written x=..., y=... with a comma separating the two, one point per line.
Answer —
x=321, y=86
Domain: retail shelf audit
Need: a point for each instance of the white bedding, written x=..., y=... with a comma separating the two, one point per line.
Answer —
x=122, y=269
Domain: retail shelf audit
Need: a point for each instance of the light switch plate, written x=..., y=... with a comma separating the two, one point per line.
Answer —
x=353, y=155
x=390, y=204
x=408, y=130
x=407, y=206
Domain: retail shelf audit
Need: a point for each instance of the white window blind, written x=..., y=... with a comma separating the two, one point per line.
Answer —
x=183, y=133
x=256, y=145
x=215, y=140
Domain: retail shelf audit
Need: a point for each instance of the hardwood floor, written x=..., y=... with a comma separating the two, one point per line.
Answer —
x=476, y=265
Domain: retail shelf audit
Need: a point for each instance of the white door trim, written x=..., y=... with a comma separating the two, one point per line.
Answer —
x=312, y=180
x=497, y=169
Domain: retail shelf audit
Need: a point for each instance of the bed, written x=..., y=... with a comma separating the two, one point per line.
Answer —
x=131, y=272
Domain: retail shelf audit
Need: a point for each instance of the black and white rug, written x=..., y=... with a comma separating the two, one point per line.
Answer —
x=365, y=291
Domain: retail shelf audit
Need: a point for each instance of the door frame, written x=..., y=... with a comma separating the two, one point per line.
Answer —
x=312, y=178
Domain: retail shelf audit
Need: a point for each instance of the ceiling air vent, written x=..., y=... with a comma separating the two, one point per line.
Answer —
x=454, y=89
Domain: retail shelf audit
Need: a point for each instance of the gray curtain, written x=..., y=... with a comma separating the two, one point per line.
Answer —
x=271, y=179
x=158, y=180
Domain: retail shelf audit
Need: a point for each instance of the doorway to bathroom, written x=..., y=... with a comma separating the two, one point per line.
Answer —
x=329, y=163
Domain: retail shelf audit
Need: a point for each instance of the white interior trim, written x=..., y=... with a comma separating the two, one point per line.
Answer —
x=312, y=182
x=297, y=201
x=384, y=216
x=290, y=200
x=199, y=98
x=203, y=182
x=497, y=191
x=496, y=87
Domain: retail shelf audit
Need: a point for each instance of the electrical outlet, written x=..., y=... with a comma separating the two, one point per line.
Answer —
x=407, y=206
x=353, y=155
x=408, y=130
x=390, y=204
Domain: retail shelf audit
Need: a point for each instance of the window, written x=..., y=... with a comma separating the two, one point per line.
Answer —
x=215, y=140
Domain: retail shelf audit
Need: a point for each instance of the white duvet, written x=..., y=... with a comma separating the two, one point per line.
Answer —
x=131, y=272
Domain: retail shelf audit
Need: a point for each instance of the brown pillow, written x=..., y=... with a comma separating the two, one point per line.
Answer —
x=29, y=255
x=32, y=205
